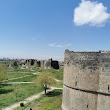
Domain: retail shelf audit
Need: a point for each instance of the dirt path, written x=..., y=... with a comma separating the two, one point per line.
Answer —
x=29, y=99
x=13, y=83
x=58, y=80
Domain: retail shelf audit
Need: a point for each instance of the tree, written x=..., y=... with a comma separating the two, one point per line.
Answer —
x=45, y=80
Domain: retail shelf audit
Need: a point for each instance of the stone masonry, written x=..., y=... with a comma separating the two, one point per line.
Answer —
x=86, y=81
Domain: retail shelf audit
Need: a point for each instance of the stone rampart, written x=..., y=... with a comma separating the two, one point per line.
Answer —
x=86, y=80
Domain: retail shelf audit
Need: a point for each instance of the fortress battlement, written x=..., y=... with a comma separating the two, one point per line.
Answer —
x=86, y=80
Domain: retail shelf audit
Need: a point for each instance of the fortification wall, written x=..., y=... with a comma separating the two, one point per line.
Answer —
x=86, y=80
x=74, y=99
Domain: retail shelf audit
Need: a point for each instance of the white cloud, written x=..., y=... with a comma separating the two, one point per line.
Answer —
x=51, y=44
x=58, y=45
x=92, y=13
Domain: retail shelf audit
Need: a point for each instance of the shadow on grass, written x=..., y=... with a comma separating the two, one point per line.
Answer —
x=3, y=85
x=54, y=93
x=4, y=91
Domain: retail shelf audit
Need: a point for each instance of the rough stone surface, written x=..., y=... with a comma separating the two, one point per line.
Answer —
x=86, y=81
x=45, y=64
x=48, y=64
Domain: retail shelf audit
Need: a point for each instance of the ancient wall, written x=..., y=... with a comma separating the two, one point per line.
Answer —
x=49, y=64
x=86, y=80
x=45, y=64
x=55, y=64
x=42, y=63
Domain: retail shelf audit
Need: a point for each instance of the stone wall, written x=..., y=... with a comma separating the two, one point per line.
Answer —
x=55, y=64
x=45, y=64
x=86, y=80
x=49, y=64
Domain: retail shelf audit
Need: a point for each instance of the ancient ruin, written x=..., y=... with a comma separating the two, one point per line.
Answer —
x=45, y=64
x=49, y=64
x=86, y=81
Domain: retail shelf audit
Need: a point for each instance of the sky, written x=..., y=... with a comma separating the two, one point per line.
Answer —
x=42, y=29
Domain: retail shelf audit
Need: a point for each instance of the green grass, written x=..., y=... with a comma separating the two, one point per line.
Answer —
x=58, y=84
x=51, y=101
x=18, y=69
x=25, y=79
x=58, y=74
x=11, y=73
x=31, y=69
x=13, y=93
x=14, y=75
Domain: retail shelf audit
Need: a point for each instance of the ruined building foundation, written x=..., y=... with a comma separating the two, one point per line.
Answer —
x=86, y=81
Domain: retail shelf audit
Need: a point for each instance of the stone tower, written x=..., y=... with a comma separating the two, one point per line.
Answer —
x=86, y=81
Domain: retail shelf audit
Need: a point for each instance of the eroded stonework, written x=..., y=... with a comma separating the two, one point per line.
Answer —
x=86, y=81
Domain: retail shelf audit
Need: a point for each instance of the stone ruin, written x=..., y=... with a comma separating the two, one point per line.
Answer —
x=45, y=64
x=86, y=81
x=48, y=64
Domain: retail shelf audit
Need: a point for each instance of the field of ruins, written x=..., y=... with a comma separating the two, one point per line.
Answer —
x=54, y=54
x=18, y=85
x=82, y=79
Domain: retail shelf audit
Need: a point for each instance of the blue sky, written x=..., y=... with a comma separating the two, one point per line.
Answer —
x=43, y=29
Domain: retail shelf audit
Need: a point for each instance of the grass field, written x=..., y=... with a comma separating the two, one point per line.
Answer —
x=58, y=84
x=10, y=75
x=10, y=94
x=58, y=74
x=51, y=101
x=24, y=79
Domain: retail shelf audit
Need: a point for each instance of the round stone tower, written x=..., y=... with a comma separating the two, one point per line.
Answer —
x=86, y=81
